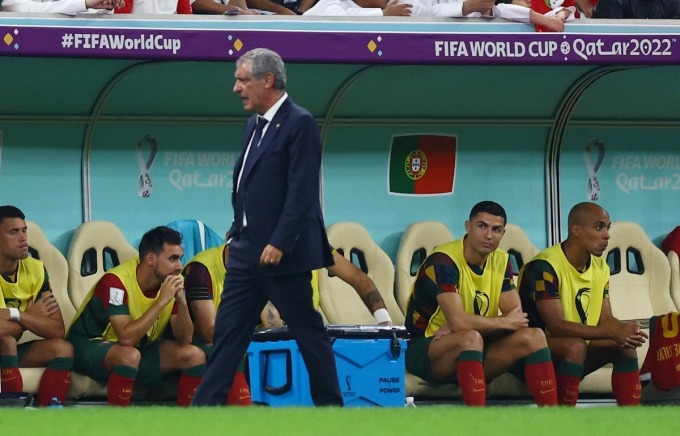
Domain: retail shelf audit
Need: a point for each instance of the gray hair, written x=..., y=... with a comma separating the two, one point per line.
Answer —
x=265, y=61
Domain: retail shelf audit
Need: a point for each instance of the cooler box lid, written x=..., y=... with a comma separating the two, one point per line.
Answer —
x=349, y=331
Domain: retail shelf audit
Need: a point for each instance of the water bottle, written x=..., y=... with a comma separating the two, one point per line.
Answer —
x=55, y=404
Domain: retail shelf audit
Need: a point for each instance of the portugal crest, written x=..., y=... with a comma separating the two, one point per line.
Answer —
x=415, y=164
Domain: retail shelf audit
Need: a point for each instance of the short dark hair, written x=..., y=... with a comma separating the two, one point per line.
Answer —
x=8, y=211
x=489, y=207
x=154, y=240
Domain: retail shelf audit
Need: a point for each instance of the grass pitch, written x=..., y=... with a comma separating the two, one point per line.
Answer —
x=501, y=421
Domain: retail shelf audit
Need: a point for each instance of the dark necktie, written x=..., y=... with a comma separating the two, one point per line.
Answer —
x=254, y=142
x=257, y=136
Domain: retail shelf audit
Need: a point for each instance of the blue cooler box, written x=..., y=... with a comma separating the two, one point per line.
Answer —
x=369, y=359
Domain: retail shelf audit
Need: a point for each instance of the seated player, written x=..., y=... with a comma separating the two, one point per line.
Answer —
x=134, y=325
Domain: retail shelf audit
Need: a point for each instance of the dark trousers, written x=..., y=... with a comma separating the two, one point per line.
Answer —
x=247, y=287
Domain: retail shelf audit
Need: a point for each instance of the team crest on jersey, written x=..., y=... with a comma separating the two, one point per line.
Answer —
x=415, y=164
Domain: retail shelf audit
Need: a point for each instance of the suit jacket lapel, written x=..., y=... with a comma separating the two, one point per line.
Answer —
x=249, y=130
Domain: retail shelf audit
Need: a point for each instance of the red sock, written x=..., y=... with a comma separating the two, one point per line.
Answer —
x=239, y=395
x=627, y=388
x=568, y=389
x=120, y=386
x=541, y=382
x=568, y=377
x=186, y=387
x=471, y=378
x=539, y=373
x=54, y=383
x=11, y=380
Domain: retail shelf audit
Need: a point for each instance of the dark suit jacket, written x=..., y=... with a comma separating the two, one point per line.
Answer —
x=280, y=192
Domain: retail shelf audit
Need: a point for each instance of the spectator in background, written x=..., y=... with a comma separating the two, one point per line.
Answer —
x=227, y=7
x=282, y=7
x=167, y=7
x=252, y=7
x=641, y=9
x=435, y=8
x=586, y=7
x=565, y=10
x=60, y=6
x=27, y=304
x=367, y=8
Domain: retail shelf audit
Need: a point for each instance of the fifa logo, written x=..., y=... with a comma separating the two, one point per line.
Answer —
x=481, y=303
x=582, y=304
x=13, y=303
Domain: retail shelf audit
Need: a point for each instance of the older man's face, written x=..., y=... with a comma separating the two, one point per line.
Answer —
x=251, y=90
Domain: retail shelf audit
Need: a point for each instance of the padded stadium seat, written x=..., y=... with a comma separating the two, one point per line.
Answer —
x=56, y=266
x=640, y=274
x=518, y=245
x=339, y=301
x=416, y=244
x=639, y=287
x=96, y=246
x=196, y=237
x=57, y=270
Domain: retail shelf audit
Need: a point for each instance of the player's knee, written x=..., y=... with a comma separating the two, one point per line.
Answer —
x=575, y=350
x=58, y=347
x=472, y=340
x=534, y=338
x=8, y=345
x=191, y=355
x=123, y=355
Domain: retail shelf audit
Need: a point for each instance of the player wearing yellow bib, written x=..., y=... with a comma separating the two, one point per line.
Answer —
x=27, y=304
x=565, y=290
x=134, y=325
x=457, y=334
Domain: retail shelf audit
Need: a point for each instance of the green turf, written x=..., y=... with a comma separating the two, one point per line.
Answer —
x=500, y=421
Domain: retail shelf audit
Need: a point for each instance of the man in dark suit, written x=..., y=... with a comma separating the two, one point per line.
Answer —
x=278, y=235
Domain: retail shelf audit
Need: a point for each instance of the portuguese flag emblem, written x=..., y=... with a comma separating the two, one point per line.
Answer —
x=422, y=164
